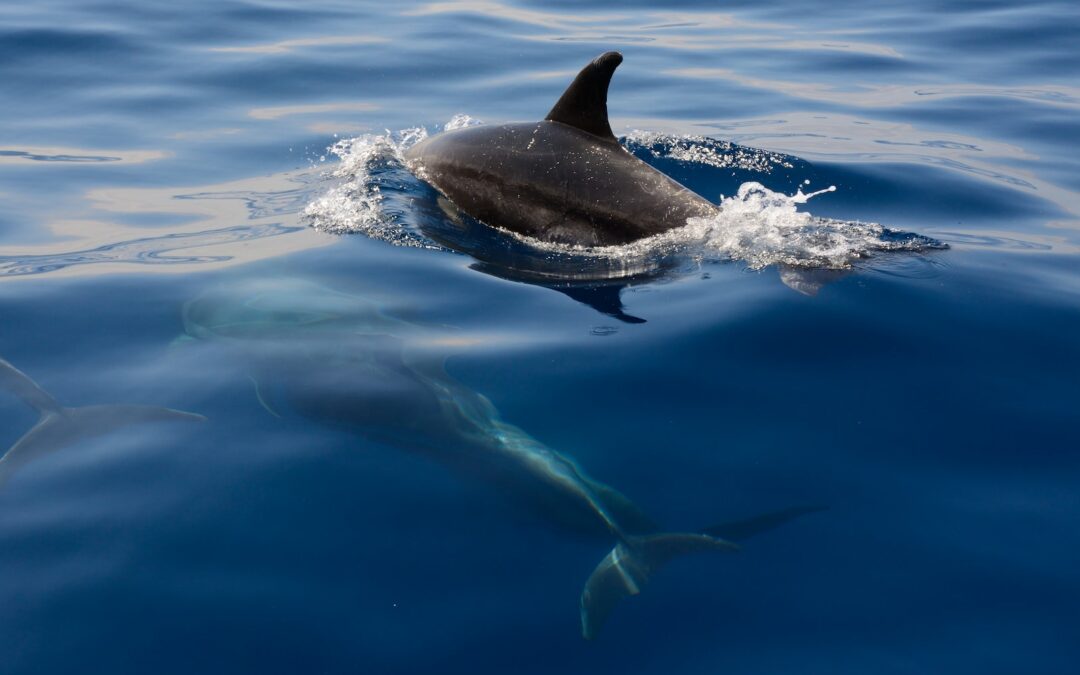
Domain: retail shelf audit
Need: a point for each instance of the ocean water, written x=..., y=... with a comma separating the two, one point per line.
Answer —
x=205, y=209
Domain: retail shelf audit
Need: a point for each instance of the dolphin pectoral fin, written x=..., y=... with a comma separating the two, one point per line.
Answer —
x=584, y=103
x=603, y=298
x=627, y=568
x=59, y=429
x=59, y=426
x=22, y=386
x=741, y=530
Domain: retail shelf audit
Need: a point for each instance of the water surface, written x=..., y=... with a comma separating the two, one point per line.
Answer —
x=203, y=211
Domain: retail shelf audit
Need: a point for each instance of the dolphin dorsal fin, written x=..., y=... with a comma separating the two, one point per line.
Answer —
x=584, y=103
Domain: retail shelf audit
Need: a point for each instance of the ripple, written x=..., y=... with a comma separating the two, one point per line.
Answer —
x=146, y=251
x=276, y=112
x=285, y=46
x=238, y=221
x=701, y=30
x=879, y=96
x=986, y=240
x=78, y=155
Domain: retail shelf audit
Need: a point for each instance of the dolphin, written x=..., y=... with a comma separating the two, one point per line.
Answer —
x=565, y=179
x=59, y=427
x=342, y=360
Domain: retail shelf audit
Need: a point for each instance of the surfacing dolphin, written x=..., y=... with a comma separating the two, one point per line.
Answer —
x=342, y=360
x=59, y=427
x=564, y=179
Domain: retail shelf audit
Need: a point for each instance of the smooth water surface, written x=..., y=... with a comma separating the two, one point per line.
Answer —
x=205, y=209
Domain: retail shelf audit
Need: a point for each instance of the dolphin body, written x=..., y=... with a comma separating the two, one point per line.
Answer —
x=341, y=360
x=564, y=179
x=59, y=427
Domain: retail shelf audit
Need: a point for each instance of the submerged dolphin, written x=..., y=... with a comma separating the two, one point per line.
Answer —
x=344, y=361
x=59, y=427
x=564, y=179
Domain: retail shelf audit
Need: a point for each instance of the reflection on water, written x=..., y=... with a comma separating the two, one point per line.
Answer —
x=313, y=109
x=285, y=46
x=229, y=223
x=77, y=155
x=696, y=30
x=145, y=251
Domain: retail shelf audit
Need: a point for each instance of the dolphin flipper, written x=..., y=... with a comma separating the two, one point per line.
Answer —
x=60, y=427
x=627, y=568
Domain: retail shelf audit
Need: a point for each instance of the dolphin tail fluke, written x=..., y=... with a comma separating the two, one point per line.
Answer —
x=628, y=567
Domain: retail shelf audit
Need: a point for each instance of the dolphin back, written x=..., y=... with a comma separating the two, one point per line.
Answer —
x=564, y=179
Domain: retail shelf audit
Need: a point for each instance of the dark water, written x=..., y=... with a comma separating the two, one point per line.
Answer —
x=163, y=168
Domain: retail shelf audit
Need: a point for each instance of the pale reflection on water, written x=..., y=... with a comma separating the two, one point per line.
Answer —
x=20, y=155
x=223, y=224
x=285, y=46
x=880, y=96
x=696, y=30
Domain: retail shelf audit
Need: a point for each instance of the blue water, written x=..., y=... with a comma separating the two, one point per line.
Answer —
x=179, y=229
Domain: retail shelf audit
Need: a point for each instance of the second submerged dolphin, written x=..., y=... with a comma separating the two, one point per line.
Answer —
x=342, y=360
x=564, y=179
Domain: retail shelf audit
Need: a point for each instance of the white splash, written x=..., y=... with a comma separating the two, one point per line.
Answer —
x=705, y=151
x=460, y=121
x=370, y=195
x=761, y=227
x=357, y=202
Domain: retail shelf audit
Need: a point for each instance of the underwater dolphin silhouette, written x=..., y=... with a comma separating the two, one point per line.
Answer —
x=564, y=179
x=341, y=360
x=59, y=426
